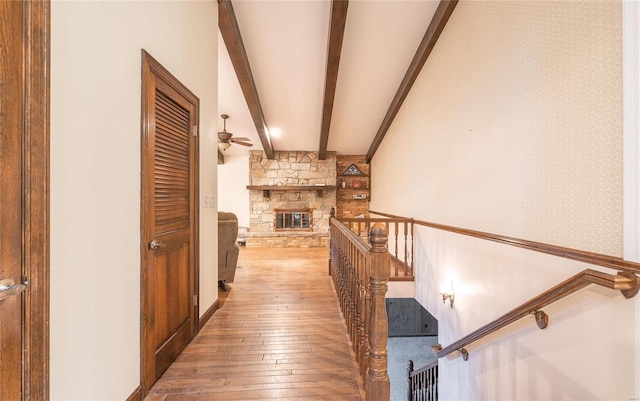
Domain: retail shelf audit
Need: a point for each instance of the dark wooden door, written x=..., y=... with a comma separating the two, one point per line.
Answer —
x=24, y=200
x=11, y=154
x=169, y=218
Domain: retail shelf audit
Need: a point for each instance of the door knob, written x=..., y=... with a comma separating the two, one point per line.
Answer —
x=155, y=244
x=8, y=288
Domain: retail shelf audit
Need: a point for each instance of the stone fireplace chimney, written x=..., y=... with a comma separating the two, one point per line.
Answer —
x=291, y=184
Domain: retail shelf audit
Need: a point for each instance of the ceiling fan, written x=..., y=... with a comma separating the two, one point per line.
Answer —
x=225, y=139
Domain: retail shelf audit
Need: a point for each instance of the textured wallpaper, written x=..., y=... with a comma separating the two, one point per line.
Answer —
x=515, y=126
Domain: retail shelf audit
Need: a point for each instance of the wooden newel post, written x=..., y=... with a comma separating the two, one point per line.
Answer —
x=377, y=377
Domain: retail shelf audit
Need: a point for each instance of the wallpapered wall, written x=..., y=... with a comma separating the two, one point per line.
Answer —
x=515, y=126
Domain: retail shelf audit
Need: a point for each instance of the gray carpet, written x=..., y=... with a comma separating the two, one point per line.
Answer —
x=401, y=349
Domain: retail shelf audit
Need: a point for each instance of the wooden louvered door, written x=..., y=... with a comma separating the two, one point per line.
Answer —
x=169, y=219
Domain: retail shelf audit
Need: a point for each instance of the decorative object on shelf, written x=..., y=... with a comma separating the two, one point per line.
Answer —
x=352, y=170
x=356, y=183
x=343, y=184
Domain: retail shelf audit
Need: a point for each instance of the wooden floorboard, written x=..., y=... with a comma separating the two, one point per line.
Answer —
x=278, y=335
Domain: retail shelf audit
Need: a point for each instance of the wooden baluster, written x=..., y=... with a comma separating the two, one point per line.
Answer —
x=347, y=279
x=377, y=378
x=406, y=237
x=367, y=307
x=350, y=303
x=412, y=238
x=363, y=315
x=359, y=317
x=395, y=248
x=343, y=262
x=353, y=296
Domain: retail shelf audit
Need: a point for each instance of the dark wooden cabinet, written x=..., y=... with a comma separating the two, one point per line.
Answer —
x=408, y=318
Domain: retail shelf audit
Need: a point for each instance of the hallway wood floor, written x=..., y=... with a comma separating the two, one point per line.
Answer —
x=278, y=335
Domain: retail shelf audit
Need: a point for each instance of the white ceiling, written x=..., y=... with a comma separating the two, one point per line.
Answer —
x=286, y=44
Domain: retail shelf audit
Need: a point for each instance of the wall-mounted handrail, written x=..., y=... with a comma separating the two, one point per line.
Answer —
x=626, y=282
x=611, y=262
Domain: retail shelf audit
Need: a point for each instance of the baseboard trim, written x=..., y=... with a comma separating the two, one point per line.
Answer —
x=207, y=315
x=136, y=395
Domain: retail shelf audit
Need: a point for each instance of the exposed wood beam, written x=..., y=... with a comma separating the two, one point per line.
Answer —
x=336, y=34
x=440, y=18
x=233, y=41
x=220, y=157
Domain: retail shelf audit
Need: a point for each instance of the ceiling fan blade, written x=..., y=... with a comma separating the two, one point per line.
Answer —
x=242, y=143
x=241, y=138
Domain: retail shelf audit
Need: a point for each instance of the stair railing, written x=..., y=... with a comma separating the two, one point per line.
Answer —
x=422, y=383
x=401, y=232
x=360, y=273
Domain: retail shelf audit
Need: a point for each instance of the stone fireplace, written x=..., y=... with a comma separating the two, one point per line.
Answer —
x=290, y=197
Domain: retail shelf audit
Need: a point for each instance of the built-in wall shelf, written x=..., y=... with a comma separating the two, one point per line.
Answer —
x=266, y=189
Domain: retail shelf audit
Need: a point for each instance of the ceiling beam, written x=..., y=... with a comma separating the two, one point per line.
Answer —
x=336, y=34
x=439, y=21
x=233, y=41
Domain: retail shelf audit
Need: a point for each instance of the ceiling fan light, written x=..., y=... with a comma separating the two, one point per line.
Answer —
x=224, y=145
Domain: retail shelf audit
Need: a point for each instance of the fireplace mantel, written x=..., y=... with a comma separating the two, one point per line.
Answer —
x=266, y=189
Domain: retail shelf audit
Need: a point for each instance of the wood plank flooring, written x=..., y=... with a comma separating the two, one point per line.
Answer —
x=278, y=335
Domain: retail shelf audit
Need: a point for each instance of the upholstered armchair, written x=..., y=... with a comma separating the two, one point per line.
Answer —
x=228, y=248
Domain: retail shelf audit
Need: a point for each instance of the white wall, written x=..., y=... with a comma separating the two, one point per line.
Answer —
x=519, y=109
x=587, y=352
x=95, y=179
x=233, y=178
x=516, y=128
x=631, y=96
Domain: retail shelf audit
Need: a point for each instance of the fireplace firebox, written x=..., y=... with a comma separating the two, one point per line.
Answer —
x=293, y=220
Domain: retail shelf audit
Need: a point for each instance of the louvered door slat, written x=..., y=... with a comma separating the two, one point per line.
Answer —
x=174, y=109
x=172, y=165
x=173, y=133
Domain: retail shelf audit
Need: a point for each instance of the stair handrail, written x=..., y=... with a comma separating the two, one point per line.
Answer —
x=626, y=282
x=608, y=261
x=426, y=367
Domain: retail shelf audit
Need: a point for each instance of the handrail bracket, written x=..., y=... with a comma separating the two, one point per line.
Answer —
x=542, y=319
x=632, y=283
x=465, y=354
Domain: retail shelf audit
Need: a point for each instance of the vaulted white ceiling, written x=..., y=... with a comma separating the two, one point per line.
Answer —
x=286, y=44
